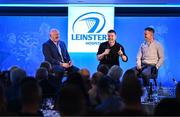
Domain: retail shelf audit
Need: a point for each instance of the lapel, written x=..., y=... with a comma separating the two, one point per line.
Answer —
x=62, y=49
x=54, y=46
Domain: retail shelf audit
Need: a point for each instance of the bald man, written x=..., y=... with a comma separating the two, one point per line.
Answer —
x=56, y=53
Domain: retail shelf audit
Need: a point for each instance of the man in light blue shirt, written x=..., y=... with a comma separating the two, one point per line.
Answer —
x=150, y=56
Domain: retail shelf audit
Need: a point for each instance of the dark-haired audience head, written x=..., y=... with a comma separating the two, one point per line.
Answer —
x=13, y=68
x=110, y=103
x=106, y=87
x=41, y=74
x=30, y=91
x=131, y=88
x=30, y=95
x=167, y=107
x=71, y=101
x=178, y=91
x=74, y=78
x=115, y=72
x=16, y=75
x=46, y=65
x=103, y=69
x=96, y=77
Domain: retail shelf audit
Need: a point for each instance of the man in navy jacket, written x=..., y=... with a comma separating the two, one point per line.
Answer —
x=56, y=53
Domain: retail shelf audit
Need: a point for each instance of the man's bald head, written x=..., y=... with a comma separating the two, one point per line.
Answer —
x=54, y=35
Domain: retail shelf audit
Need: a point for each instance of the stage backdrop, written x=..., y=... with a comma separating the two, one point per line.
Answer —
x=21, y=39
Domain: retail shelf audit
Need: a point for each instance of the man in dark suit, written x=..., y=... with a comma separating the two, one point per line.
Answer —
x=56, y=53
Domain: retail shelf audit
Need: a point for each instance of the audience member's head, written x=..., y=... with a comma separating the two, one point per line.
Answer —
x=96, y=77
x=109, y=102
x=106, y=87
x=75, y=78
x=16, y=75
x=30, y=95
x=85, y=73
x=115, y=72
x=103, y=69
x=86, y=78
x=46, y=65
x=71, y=101
x=93, y=94
x=8, y=80
x=131, y=89
x=13, y=68
x=41, y=74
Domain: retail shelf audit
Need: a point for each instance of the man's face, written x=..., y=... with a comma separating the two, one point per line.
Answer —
x=148, y=35
x=111, y=37
x=54, y=36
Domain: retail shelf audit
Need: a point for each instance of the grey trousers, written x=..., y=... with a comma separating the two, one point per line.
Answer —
x=147, y=72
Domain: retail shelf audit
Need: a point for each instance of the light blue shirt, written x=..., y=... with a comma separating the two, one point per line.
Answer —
x=150, y=53
x=59, y=50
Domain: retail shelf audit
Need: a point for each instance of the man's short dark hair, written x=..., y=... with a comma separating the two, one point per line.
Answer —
x=150, y=29
x=112, y=31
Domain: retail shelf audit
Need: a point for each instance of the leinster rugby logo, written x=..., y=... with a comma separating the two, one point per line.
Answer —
x=91, y=22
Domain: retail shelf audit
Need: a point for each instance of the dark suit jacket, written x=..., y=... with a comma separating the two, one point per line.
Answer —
x=51, y=53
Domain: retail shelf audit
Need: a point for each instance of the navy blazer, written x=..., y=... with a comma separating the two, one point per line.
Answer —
x=51, y=52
